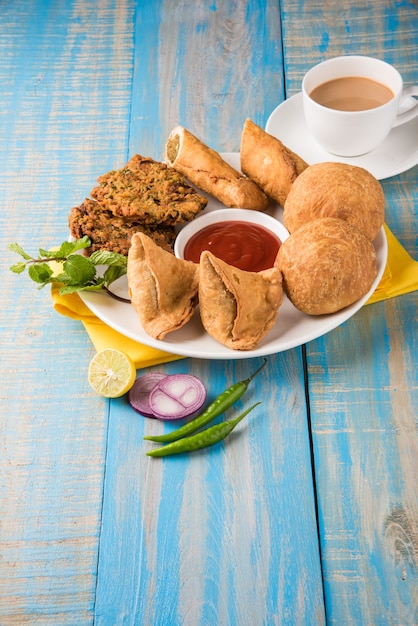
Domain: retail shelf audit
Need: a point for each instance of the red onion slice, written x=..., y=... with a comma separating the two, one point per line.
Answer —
x=177, y=396
x=139, y=393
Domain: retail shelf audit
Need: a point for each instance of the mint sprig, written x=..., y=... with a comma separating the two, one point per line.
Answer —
x=79, y=273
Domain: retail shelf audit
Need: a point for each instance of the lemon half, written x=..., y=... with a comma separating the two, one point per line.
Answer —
x=111, y=373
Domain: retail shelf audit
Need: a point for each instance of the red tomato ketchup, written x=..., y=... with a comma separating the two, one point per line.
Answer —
x=244, y=245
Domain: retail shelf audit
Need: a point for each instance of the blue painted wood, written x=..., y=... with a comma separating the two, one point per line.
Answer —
x=92, y=530
x=363, y=376
x=313, y=32
x=64, y=115
x=206, y=71
x=230, y=551
x=366, y=450
x=227, y=536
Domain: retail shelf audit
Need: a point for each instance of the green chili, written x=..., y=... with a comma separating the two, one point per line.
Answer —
x=203, y=439
x=218, y=406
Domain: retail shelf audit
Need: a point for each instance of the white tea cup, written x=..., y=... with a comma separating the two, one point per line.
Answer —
x=351, y=133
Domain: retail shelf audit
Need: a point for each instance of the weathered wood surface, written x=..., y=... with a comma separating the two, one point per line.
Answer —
x=217, y=544
x=92, y=530
x=363, y=377
x=65, y=80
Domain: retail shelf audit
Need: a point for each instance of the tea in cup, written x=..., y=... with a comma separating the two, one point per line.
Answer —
x=351, y=103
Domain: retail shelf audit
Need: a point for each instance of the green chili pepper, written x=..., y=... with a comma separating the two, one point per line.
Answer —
x=203, y=439
x=218, y=406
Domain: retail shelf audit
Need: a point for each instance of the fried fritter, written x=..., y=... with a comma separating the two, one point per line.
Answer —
x=108, y=232
x=148, y=191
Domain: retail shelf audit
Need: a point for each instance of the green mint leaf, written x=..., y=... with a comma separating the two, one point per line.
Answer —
x=40, y=273
x=18, y=268
x=69, y=247
x=65, y=249
x=44, y=255
x=113, y=273
x=63, y=278
x=105, y=257
x=80, y=269
x=68, y=289
x=78, y=272
x=84, y=242
x=19, y=250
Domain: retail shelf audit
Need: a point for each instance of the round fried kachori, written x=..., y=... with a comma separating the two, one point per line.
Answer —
x=327, y=264
x=338, y=190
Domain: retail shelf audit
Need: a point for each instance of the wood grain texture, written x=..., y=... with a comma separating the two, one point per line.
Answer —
x=227, y=536
x=315, y=30
x=209, y=70
x=364, y=429
x=363, y=376
x=91, y=529
x=79, y=99
x=65, y=78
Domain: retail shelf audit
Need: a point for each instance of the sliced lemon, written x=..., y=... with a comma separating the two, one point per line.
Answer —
x=111, y=373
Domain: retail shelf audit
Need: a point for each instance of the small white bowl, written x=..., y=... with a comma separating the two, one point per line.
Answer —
x=227, y=215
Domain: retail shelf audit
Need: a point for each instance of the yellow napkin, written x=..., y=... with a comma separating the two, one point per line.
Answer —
x=400, y=276
x=102, y=336
x=401, y=272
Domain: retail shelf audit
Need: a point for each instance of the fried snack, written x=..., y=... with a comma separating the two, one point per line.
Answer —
x=237, y=308
x=338, y=190
x=267, y=161
x=327, y=264
x=206, y=169
x=109, y=232
x=163, y=289
x=148, y=191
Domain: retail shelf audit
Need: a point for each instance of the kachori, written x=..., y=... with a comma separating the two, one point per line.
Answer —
x=339, y=190
x=327, y=264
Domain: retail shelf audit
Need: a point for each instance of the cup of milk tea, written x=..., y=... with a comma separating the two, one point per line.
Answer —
x=351, y=103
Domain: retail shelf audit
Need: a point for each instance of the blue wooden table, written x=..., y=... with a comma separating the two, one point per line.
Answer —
x=310, y=515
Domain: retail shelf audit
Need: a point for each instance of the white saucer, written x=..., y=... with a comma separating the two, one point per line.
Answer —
x=397, y=154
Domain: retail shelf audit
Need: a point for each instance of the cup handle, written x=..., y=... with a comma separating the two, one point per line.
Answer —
x=407, y=102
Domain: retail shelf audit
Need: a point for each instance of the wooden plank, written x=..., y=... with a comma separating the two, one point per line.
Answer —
x=363, y=389
x=63, y=121
x=314, y=30
x=227, y=536
x=207, y=73
x=363, y=376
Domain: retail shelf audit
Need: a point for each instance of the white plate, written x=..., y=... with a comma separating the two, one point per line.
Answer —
x=292, y=327
x=397, y=154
